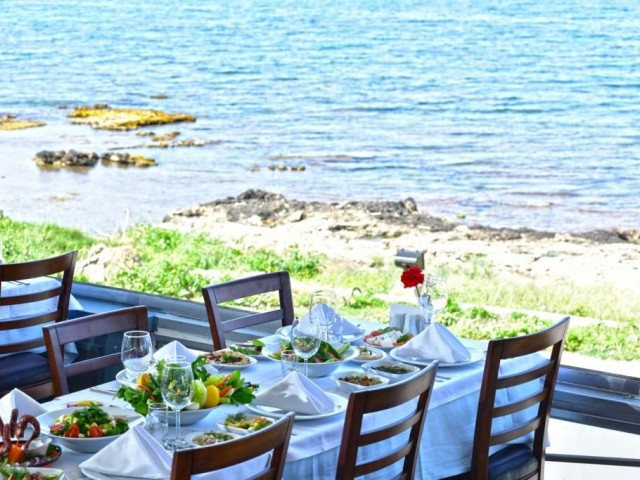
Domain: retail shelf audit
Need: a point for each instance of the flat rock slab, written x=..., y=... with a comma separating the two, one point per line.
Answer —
x=103, y=117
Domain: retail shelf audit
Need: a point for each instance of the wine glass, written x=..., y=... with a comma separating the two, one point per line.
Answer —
x=176, y=385
x=322, y=311
x=436, y=289
x=136, y=353
x=305, y=341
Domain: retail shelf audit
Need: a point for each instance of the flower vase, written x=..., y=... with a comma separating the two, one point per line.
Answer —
x=425, y=306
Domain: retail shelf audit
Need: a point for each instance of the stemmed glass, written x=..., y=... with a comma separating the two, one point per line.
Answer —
x=136, y=353
x=176, y=385
x=322, y=309
x=435, y=292
x=305, y=341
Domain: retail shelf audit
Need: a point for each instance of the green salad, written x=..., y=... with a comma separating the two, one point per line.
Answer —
x=326, y=353
x=90, y=422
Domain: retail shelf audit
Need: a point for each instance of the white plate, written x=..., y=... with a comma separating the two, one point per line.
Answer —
x=382, y=353
x=339, y=406
x=476, y=355
x=87, y=445
x=251, y=359
x=315, y=369
x=54, y=473
x=354, y=387
x=122, y=379
x=285, y=334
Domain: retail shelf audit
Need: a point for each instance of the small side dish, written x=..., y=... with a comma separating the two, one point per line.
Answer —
x=394, y=371
x=368, y=354
x=243, y=423
x=20, y=473
x=355, y=380
x=211, y=437
x=248, y=348
x=16, y=450
x=228, y=357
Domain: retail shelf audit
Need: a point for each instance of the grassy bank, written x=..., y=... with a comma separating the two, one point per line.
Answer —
x=176, y=264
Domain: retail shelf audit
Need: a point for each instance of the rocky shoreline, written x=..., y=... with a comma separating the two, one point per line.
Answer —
x=363, y=231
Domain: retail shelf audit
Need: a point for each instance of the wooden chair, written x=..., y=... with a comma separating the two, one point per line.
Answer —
x=20, y=366
x=274, y=439
x=243, y=288
x=363, y=402
x=517, y=460
x=58, y=335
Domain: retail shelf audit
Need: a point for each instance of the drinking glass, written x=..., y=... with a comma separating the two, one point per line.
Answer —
x=322, y=312
x=176, y=385
x=288, y=361
x=157, y=423
x=305, y=342
x=436, y=289
x=137, y=352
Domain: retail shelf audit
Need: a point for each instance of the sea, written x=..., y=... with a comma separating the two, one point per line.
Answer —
x=503, y=113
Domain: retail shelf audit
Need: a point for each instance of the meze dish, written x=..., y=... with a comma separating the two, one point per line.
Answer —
x=15, y=450
x=243, y=423
x=20, y=473
x=394, y=371
x=352, y=381
x=210, y=437
x=253, y=348
x=229, y=358
x=387, y=337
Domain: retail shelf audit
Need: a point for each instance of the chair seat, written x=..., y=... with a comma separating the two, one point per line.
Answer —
x=514, y=462
x=23, y=369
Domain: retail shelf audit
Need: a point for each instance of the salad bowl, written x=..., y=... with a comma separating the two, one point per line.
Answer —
x=87, y=444
x=319, y=369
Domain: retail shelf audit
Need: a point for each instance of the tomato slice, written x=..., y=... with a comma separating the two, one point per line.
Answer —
x=95, y=431
x=73, y=431
x=56, y=428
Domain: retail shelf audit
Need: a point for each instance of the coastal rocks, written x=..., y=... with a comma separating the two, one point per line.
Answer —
x=64, y=158
x=103, y=262
x=10, y=122
x=72, y=158
x=106, y=118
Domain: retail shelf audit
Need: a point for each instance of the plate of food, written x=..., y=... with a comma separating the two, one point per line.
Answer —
x=252, y=348
x=88, y=429
x=228, y=358
x=476, y=355
x=8, y=472
x=394, y=371
x=354, y=381
x=244, y=423
x=323, y=363
x=387, y=338
x=22, y=445
x=207, y=438
x=369, y=354
x=339, y=406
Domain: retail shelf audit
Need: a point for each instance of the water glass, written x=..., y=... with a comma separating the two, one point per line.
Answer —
x=137, y=353
x=176, y=385
x=288, y=362
x=156, y=423
x=322, y=312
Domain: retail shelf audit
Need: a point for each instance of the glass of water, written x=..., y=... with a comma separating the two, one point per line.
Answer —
x=137, y=353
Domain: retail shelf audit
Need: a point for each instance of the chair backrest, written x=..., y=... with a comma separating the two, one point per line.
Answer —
x=493, y=404
x=274, y=439
x=243, y=288
x=364, y=402
x=58, y=335
x=20, y=272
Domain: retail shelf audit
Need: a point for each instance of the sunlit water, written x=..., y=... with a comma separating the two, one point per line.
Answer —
x=512, y=113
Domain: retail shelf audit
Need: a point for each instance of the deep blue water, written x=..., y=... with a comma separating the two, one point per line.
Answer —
x=512, y=113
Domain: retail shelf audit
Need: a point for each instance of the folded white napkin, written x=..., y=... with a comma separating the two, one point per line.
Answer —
x=136, y=454
x=435, y=342
x=296, y=393
x=176, y=349
x=323, y=309
x=23, y=402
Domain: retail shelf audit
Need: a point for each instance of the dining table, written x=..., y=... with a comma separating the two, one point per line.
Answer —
x=446, y=443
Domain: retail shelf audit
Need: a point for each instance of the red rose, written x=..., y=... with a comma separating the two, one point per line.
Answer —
x=412, y=277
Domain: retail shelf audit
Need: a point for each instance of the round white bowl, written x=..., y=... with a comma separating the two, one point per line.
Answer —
x=315, y=369
x=378, y=352
x=87, y=445
x=370, y=367
x=191, y=438
x=243, y=431
x=354, y=387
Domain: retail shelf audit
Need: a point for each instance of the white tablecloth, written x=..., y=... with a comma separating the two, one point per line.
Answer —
x=11, y=289
x=445, y=448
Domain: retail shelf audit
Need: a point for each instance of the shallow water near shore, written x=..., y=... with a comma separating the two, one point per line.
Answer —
x=513, y=114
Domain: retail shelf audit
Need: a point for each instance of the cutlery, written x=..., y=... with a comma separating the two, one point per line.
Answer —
x=109, y=391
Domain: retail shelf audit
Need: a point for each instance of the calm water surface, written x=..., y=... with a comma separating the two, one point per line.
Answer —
x=512, y=113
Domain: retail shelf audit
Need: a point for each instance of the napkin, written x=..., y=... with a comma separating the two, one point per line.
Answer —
x=23, y=402
x=435, y=342
x=348, y=328
x=296, y=393
x=136, y=454
x=176, y=349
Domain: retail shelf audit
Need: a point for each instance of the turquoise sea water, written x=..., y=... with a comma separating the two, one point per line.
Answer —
x=512, y=113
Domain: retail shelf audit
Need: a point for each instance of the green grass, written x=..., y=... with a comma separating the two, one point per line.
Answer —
x=177, y=264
